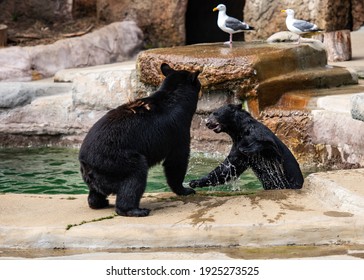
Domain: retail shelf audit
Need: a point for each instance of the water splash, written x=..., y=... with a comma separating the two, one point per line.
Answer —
x=270, y=172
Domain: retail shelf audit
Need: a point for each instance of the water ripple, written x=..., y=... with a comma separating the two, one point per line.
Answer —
x=56, y=171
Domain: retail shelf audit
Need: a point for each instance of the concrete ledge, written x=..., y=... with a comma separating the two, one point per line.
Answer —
x=339, y=189
x=319, y=214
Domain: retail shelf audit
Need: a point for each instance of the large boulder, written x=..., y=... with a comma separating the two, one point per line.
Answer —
x=259, y=73
x=116, y=42
x=357, y=11
x=162, y=21
x=357, y=107
x=266, y=15
x=20, y=94
x=61, y=112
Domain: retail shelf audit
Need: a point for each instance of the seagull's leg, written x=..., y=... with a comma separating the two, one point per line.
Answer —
x=231, y=38
x=299, y=40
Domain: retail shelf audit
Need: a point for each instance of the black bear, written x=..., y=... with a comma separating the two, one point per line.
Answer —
x=119, y=149
x=254, y=146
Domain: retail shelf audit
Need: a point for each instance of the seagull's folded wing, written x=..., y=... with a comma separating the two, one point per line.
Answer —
x=235, y=24
x=304, y=26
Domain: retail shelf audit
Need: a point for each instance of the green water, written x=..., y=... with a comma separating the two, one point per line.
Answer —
x=56, y=171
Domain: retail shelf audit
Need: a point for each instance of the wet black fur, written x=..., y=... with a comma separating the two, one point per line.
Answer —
x=120, y=147
x=254, y=146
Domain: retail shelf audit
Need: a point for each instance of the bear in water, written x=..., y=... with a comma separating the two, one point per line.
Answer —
x=119, y=149
x=254, y=146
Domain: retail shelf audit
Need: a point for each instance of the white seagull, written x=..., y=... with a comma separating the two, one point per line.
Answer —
x=229, y=24
x=299, y=26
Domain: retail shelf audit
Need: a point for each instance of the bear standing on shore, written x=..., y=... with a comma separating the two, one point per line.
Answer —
x=254, y=146
x=119, y=149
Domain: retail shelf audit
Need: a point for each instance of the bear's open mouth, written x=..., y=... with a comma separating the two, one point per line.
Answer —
x=214, y=126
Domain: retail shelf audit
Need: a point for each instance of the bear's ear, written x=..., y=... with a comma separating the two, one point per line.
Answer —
x=166, y=69
x=194, y=76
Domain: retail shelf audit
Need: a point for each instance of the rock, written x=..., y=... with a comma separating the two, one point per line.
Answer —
x=15, y=64
x=357, y=107
x=254, y=72
x=357, y=11
x=116, y=42
x=338, y=45
x=104, y=89
x=339, y=144
x=283, y=36
x=11, y=95
x=46, y=10
x=44, y=115
x=268, y=19
x=19, y=94
x=32, y=113
x=162, y=21
x=287, y=36
x=83, y=8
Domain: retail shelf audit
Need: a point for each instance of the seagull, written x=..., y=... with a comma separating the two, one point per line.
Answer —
x=229, y=24
x=299, y=26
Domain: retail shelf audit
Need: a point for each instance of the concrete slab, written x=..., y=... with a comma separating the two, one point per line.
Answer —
x=319, y=214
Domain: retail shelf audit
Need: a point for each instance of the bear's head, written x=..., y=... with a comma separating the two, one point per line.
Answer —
x=229, y=118
x=177, y=78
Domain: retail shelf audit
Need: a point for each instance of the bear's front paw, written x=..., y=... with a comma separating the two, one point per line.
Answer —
x=195, y=183
x=198, y=183
x=137, y=212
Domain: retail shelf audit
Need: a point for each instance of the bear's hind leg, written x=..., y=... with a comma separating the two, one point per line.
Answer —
x=128, y=198
x=97, y=200
x=130, y=192
x=95, y=182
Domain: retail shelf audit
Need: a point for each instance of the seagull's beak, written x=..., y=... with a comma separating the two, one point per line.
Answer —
x=215, y=9
x=283, y=11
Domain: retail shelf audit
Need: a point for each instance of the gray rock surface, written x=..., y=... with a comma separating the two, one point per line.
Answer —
x=283, y=36
x=357, y=107
x=19, y=94
x=116, y=42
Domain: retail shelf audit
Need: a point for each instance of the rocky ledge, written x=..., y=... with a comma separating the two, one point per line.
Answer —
x=259, y=73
